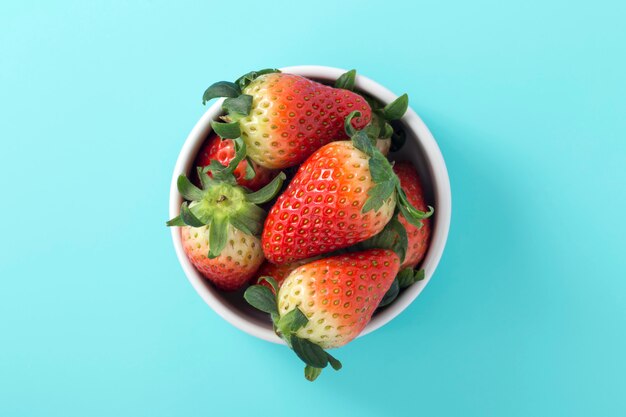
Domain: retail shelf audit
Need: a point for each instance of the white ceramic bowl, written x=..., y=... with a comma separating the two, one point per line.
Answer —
x=420, y=148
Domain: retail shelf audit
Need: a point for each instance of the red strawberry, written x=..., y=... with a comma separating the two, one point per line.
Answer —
x=343, y=194
x=321, y=210
x=284, y=118
x=418, y=237
x=223, y=151
x=222, y=222
x=327, y=303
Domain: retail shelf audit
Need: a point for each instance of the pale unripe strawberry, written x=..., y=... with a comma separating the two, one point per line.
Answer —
x=237, y=262
x=221, y=222
x=284, y=118
x=338, y=295
x=326, y=303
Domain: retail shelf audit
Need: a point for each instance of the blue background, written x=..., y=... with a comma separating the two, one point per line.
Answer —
x=525, y=315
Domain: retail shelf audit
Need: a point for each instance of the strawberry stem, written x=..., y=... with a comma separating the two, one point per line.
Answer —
x=385, y=180
x=347, y=80
x=287, y=325
x=222, y=203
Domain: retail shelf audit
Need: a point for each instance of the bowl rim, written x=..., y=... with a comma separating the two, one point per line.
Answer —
x=441, y=189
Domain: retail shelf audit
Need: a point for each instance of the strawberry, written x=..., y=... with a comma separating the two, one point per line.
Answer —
x=327, y=303
x=345, y=193
x=221, y=222
x=418, y=237
x=338, y=294
x=284, y=118
x=278, y=272
x=248, y=173
x=380, y=128
x=236, y=263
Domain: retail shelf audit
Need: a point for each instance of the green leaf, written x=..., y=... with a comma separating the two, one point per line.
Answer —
x=393, y=237
x=292, y=321
x=309, y=352
x=249, y=220
x=261, y=298
x=176, y=221
x=391, y=294
x=334, y=362
x=218, y=235
x=409, y=218
x=268, y=192
x=220, y=173
x=227, y=130
x=401, y=244
x=396, y=109
x=272, y=282
x=250, y=172
x=420, y=274
x=363, y=142
x=405, y=277
x=188, y=217
x=375, y=126
x=380, y=168
x=377, y=196
x=221, y=89
x=347, y=124
x=214, y=168
x=386, y=239
x=240, y=154
x=347, y=80
x=410, y=213
x=246, y=79
x=374, y=103
x=240, y=105
x=409, y=276
x=386, y=131
x=242, y=225
x=311, y=373
x=205, y=179
x=188, y=190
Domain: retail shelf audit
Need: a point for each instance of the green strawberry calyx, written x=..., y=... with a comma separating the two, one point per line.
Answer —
x=385, y=180
x=395, y=238
x=383, y=116
x=287, y=325
x=404, y=279
x=221, y=202
x=392, y=237
x=236, y=105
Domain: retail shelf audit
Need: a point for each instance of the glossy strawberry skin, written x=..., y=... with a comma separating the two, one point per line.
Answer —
x=236, y=264
x=338, y=294
x=293, y=116
x=419, y=238
x=223, y=151
x=320, y=211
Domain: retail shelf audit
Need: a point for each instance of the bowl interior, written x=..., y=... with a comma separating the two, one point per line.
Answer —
x=233, y=307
